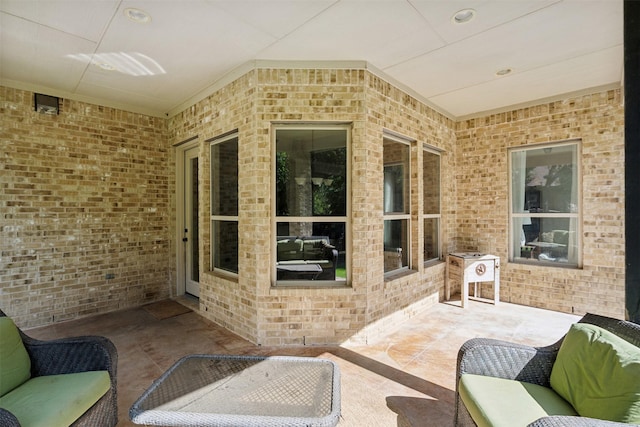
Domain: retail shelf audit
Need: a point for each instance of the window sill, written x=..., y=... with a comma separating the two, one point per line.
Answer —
x=295, y=289
x=310, y=284
x=394, y=275
x=537, y=263
x=432, y=263
x=231, y=277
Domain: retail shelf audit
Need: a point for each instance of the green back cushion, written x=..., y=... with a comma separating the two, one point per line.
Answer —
x=15, y=365
x=599, y=374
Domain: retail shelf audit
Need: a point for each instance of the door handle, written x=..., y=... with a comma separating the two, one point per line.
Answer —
x=184, y=239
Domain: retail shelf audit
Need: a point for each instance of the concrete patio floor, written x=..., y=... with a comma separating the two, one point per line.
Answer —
x=404, y=378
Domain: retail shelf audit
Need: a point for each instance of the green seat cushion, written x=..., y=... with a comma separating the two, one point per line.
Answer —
x=15, y=364
x=56, y=400
x=599, y=374
x=497, y=402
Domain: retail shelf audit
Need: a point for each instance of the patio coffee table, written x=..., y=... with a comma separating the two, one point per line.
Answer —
x=222, y=390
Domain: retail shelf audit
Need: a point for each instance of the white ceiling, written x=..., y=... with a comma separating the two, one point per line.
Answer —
x=190, y=47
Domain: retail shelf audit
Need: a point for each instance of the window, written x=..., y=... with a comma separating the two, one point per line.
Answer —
x=431, y=202
x=397, y=216
x=545, y=205
x=224, y=203
x=311, y=187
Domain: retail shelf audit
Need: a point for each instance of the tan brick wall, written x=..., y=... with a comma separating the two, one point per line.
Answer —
x=474, y=194
x=482, y=200
x=91, y=192
x=84, y=202
x=229, y=302
x=391, y=109
x=250, y=306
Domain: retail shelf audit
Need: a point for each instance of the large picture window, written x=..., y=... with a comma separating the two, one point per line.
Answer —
x=224, y=204
x=431, y=201
x=545, y=205
x=396, y=215
x=311, y=187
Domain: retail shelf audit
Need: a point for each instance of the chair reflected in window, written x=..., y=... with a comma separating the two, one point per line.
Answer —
x=531, y=231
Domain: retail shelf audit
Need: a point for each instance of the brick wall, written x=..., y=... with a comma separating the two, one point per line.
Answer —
x=230, y=302
x=475, y=191
x=84, y=205
x=88, y=205
x=391, y=109
x=250, y=306
x=482, y=200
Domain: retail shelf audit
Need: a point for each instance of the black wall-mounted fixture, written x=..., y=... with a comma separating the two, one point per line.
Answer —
x=46, y=104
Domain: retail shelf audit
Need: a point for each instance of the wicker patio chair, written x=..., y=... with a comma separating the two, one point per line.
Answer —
x=507, y=360
x=71, y=355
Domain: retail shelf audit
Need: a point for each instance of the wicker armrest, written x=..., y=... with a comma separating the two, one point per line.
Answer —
x=565, y=421
x=69, y=355
x=7, y=419
x=507, y=360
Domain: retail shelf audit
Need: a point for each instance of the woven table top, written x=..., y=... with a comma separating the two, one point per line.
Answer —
x=220, y=390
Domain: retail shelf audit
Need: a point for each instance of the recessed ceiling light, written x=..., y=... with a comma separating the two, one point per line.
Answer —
x=137, y=15
x=463, y=16
x=504, y=72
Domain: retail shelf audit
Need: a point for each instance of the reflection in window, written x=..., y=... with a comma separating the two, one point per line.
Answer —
x=224, y=204
x=225, y=234
x=311, y=204
x=545, y=205
x=397, y=218
x=311, y=251
x=431, y=200
x=194, y=235
x=394, y=198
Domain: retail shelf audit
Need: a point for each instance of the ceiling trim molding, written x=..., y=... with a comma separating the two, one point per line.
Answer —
x=541, y=101
x=225, y=80
x=296, y=65
x=409, y=91
x=282, y=64
x=252, y=65
x=79, y=98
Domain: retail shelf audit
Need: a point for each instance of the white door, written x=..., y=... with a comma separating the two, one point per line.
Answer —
x=190, y=246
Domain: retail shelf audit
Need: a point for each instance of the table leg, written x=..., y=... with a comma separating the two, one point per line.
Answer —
x=447, y=285
x=496, y=283
x=464, y=297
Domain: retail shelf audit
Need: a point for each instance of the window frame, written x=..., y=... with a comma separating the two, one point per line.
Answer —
x=437, y=216
x=576, y=216
x=345, y=219
x=407, y=187
x=218, y=140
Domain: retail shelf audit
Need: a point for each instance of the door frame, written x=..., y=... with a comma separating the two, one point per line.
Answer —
x=181, y=256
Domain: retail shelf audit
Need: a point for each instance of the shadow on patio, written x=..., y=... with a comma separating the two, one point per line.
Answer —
x=405, y=378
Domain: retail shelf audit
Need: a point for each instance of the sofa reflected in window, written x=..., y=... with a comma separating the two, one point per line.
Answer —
x=551, y=242
x=306, y=258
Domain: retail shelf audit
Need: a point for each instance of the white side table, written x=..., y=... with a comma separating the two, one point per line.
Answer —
x=472, y=267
